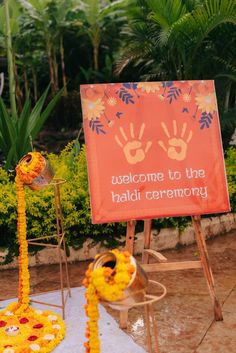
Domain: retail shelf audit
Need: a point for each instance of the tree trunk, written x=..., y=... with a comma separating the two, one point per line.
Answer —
x=12, y=84
x=34, y=84
x=26, y=83
x=55, y=68
x=63, y=66
x=95, y=57
x=19, y=93
x=51, y=69
x=227, y=96
x=1, y=82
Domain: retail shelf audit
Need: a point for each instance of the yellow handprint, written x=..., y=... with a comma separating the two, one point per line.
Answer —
x=177, y=146
x=133, y=149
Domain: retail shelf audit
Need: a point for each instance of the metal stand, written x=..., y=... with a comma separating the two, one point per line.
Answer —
x=150, y=322
x=60, y=246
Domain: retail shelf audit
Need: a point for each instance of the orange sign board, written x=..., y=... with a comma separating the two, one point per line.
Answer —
x=153, y=150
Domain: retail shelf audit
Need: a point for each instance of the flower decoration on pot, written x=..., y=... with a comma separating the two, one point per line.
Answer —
x=23, y=328
x=115, y=278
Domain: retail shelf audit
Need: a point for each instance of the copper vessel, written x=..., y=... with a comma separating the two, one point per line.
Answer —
x=135, y=290
x=45, y=176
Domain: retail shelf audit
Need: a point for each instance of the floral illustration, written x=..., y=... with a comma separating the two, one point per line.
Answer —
x=149, y=86
x=105, y=105
x=111, y=101
x=93, y=109
x=93, y=92
x=206, y=102
x=186, y=97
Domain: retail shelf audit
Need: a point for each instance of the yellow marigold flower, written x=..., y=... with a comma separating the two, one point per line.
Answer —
x=107, y=284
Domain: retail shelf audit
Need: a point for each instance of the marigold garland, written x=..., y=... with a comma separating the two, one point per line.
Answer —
x=24, y=329
x=27, y=170
x=107, y=284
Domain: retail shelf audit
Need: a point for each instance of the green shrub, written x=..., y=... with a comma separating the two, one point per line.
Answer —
x=40, y=206
x=72, y=166
x=230, y=163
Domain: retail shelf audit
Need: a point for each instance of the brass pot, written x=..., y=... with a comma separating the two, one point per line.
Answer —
x=135, y=290
x=45, y=176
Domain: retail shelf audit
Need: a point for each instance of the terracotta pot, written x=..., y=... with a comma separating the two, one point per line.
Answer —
x=135, y=290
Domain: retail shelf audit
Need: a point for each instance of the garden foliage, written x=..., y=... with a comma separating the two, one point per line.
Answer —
x=71, y=165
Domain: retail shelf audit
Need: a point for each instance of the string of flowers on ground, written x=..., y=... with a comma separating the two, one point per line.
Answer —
x=24, y=329
x=107, y=284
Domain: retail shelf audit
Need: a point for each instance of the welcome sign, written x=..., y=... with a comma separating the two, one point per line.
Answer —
x=153, y=150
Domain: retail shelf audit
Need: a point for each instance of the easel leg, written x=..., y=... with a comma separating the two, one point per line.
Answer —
x=147, y=239
x=130, y=233
x=196, y=221
x=129, y=246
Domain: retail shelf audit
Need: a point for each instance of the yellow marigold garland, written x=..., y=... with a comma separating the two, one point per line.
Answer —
x=107, y=284
x=27, y=171
x=24, y=329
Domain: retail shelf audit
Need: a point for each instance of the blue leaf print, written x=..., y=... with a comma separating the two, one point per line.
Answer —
x=167, y=84
x=125, y=96
x=96, y=126
x=173, y=93
x=127, y=85
x=130, y=85
x=185, y=110
x=118, y=114
x=205, y=120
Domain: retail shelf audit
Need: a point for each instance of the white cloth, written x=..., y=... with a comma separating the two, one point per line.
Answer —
x=113, y=339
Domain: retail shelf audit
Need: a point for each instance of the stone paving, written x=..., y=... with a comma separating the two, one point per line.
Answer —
x=185, y=316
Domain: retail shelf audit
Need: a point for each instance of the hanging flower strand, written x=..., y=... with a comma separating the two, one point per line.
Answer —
x=27, y=170
x=24, y=329
x=108, y=284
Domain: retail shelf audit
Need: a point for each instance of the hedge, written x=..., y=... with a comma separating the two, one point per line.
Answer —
x=75, y=205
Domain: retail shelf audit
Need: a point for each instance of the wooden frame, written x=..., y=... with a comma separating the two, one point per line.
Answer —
x=162, y=263
x=60, y=246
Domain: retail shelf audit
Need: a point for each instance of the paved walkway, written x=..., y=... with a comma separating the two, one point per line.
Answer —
x=185, y=315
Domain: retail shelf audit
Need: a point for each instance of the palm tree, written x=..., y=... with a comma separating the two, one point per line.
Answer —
x=39, y=15
x=174, y=35
x=7, y=28
x=96, y=16
x=50, y=19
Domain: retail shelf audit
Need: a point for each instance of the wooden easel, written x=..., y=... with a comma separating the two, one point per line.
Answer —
x=162, y=263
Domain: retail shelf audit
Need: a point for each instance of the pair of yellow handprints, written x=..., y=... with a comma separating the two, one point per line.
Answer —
x=135, y=150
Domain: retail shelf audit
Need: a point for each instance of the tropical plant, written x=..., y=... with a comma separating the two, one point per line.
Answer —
x=173, y=38
x=230, y=162
x=96, y=16
x=18, y=132
x=9, y=31
x=50, y=19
